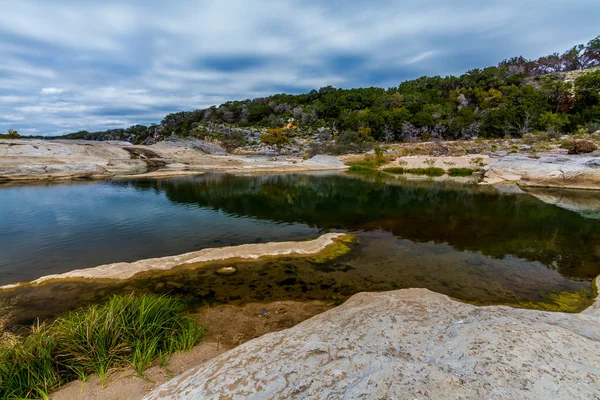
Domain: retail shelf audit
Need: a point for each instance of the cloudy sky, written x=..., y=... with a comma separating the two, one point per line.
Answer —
x=72, y=65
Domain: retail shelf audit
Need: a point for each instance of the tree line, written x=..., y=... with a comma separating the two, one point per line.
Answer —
x=558, y=94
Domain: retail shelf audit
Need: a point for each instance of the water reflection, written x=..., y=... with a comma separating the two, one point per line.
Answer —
x=467, y=241
x=467, y=217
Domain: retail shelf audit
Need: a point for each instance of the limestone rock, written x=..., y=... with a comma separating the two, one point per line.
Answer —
x=550, y=170
x=409, y=344
x=324, y=161
x=41, y=159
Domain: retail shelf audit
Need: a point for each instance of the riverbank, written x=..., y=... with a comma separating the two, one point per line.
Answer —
x=227, y=326
x=418, y=344
x=30, y=160
x=410, y=343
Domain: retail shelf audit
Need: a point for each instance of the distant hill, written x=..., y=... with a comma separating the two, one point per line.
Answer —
x=558, y=94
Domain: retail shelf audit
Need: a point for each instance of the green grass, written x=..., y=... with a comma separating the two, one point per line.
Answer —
x=461, y=171
x=394, y=170
x=124, y=331
x=431, y=171
x=362, y=166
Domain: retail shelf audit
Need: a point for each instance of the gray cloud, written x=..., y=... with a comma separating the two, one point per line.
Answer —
x=70, y=65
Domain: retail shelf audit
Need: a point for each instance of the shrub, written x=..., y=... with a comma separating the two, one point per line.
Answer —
x=581, y=147
x=369, y=162
x=477, y=162
x=11, y=134
x=126, y=330
x=275, y=137
x=430, y=162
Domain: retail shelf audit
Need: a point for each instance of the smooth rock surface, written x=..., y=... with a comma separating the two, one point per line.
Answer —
x=409, y=344
x=550, y=170
x=44, y=159
x=30, y=159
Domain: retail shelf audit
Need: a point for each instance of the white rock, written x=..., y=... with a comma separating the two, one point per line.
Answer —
x=552, y=170
x=404, y=344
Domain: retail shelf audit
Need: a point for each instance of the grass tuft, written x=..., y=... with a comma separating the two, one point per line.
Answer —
x=430, y=171
x=394, y=170
x=461, y=171
x=126, y=330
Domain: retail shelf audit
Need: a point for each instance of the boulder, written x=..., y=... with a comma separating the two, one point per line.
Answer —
x=409, y=344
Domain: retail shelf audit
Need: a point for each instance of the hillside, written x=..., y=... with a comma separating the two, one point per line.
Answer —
x=557, y=94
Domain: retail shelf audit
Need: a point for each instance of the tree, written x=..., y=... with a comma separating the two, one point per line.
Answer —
x=10, y=134
x=275, y=137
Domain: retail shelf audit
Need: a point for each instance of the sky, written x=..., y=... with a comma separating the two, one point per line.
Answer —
x=67, y=66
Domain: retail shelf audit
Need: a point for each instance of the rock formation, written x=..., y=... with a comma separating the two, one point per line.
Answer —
x=549, y=170
x=409, y=344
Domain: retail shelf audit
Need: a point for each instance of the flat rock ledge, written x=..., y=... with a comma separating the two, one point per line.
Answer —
x=35, y=159
x=549, y=170
x=124, y=270
x=409, y=344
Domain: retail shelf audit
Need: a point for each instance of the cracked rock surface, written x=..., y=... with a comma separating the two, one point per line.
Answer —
x=409, y=344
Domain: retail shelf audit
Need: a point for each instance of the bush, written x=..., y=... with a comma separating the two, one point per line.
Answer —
x=126, y=330
x=11, y=134
x=370, y=162
x=581, y=147
x=275, y=137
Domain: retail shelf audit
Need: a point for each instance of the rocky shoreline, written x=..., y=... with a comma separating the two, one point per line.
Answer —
x=410, y=343
x=33, y=159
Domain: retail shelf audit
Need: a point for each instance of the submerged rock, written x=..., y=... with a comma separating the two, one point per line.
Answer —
x=409, y=344
x=226, y=271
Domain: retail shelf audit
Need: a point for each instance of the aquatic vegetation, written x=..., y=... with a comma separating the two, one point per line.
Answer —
x=461, y=171
x=335, y=250
x=126, y=330
x=561, y=302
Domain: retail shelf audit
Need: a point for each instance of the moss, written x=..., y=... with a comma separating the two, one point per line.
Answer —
x=338, y=248
x=571, y=302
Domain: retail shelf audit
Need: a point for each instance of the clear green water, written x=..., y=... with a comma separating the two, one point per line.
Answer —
x=470, y=242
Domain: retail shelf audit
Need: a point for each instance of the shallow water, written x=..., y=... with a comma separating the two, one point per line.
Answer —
x=467, y=241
